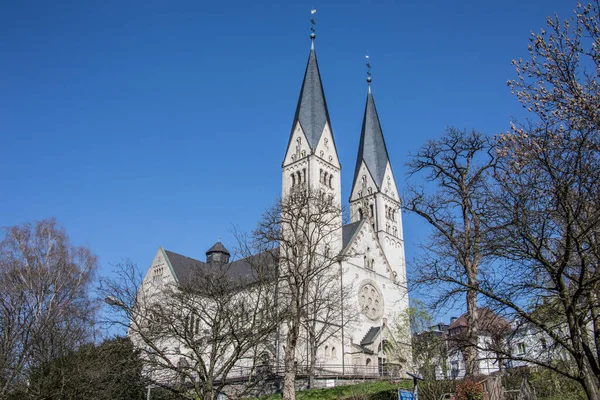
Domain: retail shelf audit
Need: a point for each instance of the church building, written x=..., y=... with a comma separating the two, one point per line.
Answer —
x=376, y=266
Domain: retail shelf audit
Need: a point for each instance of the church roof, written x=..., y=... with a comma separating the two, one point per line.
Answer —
x=370, y=336
x=348, y=232
x=217, y=247
x=372, y=149
x=311, y=110
x=246, y=267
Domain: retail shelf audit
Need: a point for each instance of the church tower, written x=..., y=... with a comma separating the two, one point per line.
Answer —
x=374, y=194
x=311, y=160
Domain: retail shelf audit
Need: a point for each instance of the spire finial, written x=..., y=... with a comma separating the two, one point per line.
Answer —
x=219, y=240
x=368, y=71
x=312, y=29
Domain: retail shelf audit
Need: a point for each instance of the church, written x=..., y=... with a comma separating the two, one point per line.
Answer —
x=376, y=266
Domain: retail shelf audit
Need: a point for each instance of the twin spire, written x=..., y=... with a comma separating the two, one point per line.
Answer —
x=312, y=114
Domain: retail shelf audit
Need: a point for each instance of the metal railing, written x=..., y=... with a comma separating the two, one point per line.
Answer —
x=322, y=371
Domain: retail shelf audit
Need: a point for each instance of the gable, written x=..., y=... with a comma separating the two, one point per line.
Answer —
x=364, y=181
x=388, y=186
x=160, y=271
x=298, y=146
x=364, y=247
x=326, y=149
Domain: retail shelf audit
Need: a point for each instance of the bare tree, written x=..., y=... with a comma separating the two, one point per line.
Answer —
x=45, y=308
x=307, y=228
x=210, y=333
x=329, y=311
x=455, y=204
x=549, y=194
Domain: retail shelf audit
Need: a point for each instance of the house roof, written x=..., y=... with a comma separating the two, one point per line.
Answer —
x=372, y=149
x=311, y=110
x=488, y=321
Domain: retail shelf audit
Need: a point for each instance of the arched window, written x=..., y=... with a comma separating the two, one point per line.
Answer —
x=365, y=262
x=321, y=176
x=368, y=362
x=304, y=175
x=360, y=214
x=371, y=210
x=330, y=181
x=395, y=231
x=387, y=228
x=293, y=180
x=372, y=263
x=326, y=352
x=299, y=177
x=333, y=355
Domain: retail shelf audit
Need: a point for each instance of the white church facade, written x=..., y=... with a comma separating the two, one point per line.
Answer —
x=373, y=239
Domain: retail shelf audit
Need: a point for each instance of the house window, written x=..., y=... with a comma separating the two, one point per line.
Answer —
x=333, y=355
x=521, y=348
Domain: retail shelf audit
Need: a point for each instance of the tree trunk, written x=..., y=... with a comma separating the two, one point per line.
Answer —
x=493, y=388
x=470, y=348
x=312, y=364
x=289, y=378
x=589, y=382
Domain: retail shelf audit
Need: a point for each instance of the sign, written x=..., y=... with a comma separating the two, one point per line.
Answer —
x=404, y=394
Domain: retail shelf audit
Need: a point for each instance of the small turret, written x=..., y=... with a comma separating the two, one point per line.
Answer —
x=217, y=253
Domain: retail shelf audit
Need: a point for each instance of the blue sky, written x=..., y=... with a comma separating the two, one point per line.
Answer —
x=139, y=124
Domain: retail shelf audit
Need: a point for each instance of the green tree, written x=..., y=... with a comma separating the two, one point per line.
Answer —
x=108, y=371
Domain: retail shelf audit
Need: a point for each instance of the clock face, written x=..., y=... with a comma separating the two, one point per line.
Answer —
x=370, y=301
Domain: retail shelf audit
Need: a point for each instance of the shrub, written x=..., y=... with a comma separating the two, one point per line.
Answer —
x=469, y=390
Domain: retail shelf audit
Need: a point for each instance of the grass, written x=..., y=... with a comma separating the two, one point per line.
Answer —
x=345, y=392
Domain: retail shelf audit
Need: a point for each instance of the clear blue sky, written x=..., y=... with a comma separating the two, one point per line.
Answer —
x=145, y=123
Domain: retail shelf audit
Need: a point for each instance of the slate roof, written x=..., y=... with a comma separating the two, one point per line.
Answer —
x=372, y=147
x=245, y=268
x=348, y=232
x=217, y=248
x=311, y=110
x=370, y=336
x=488, y=321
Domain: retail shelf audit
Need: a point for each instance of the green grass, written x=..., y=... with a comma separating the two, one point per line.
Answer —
x=345, y=392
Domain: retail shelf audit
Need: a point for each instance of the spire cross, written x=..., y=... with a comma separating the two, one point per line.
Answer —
x=368, y=64
x=312, y=27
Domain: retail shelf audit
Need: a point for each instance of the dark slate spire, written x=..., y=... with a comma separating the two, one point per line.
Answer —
x=372, y=145
x=311, y=111
x=217, y=253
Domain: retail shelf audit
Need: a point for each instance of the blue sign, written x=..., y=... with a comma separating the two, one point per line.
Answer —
x=404, y=394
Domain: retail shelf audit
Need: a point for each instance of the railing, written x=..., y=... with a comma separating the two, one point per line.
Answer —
x=322, y=371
